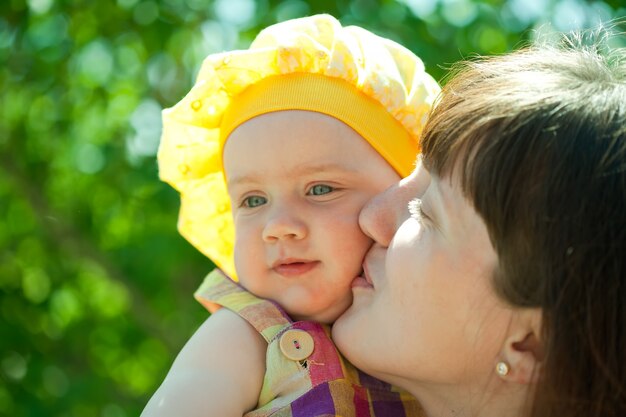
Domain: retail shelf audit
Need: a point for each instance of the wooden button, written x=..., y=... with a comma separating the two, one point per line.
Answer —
x=296, y=345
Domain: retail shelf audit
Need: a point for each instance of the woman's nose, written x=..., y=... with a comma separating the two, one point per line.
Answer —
x=384, y=213
x=284, y=224
x=379, y=218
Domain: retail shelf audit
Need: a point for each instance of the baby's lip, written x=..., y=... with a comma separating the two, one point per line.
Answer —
x=289, y=261
x=293, y=267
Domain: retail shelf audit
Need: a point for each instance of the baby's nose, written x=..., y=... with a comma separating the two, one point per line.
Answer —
x=284, y=225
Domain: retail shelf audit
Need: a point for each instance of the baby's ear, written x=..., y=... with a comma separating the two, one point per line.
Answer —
x=522, y=352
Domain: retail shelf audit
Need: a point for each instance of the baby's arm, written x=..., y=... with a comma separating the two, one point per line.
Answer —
x=219, y=372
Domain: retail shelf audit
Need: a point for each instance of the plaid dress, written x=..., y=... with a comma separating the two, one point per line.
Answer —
x=323, y=383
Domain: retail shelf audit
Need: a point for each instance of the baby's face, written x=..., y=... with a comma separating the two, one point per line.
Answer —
x=297, y=182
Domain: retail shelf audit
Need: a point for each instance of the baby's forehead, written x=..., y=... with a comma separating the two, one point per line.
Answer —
x=307, y=136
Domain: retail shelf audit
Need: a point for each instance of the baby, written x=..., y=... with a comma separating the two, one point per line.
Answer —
x=275, y=151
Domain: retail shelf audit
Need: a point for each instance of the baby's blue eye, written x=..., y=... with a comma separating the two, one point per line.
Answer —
x=320, y=189
x=254, y=201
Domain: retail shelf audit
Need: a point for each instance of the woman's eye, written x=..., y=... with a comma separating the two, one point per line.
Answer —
x=320, y=189
x=254, y=201
x=415, y=210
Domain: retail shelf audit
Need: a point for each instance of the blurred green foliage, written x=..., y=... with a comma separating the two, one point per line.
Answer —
x=95, y=282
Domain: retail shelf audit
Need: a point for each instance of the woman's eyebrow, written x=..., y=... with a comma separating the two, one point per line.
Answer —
x=434, y=201
x=424, y=160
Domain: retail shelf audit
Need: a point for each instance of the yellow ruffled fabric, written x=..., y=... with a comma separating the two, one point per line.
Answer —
x=190, y=152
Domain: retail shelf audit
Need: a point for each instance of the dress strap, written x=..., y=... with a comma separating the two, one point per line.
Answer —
x=267, y=317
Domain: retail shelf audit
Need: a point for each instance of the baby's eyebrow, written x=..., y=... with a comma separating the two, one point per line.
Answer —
x=329, y=167
x=300, y=170
x=243, y=179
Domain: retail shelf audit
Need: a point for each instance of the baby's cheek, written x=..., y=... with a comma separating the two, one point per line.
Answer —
x=245, y=258
x=239, y=257
x=355, y=245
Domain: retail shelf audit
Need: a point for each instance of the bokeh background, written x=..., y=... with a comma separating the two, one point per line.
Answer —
x=95, y=283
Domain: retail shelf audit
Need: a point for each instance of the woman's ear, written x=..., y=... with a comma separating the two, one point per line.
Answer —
x=522, y=352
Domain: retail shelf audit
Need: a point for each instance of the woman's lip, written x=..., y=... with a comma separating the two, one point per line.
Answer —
x=366, y=275
x=294, y=268
x=361, y=282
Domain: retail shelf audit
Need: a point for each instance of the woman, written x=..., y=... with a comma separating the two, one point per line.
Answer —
x=500, y=290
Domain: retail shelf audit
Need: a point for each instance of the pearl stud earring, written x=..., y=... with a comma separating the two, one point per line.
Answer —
x=502, y=368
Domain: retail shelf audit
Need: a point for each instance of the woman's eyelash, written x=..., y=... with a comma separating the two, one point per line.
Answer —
x=415, y=209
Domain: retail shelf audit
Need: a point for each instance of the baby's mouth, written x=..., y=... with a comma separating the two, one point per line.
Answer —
x=294, y=267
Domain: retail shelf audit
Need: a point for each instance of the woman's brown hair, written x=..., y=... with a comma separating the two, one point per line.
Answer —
x=538, y=140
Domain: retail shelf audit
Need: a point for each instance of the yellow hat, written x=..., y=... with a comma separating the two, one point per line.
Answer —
x=374, y=85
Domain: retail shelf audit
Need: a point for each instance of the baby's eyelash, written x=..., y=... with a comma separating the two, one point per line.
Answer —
x=415, y=209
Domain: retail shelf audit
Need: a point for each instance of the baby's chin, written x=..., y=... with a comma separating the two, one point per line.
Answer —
x=322, y=317
x=325, y=315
